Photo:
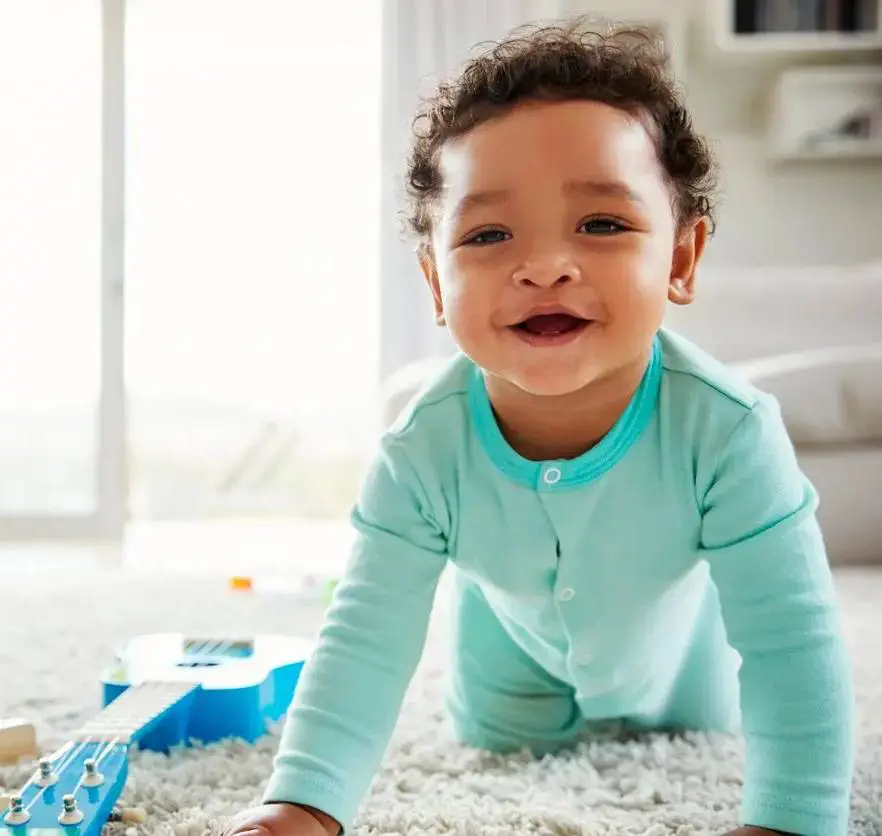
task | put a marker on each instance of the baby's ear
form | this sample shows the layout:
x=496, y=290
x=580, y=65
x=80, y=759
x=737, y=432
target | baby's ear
x=688, y=250
x=430, y=272
x=681, y=293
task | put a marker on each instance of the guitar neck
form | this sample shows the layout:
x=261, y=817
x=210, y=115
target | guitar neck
x=134, y=710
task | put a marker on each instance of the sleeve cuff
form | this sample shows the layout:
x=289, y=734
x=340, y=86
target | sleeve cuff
x=777, y=814
x=312, y=792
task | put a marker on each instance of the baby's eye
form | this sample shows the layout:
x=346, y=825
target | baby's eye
x=489, y=236
x=602, y=226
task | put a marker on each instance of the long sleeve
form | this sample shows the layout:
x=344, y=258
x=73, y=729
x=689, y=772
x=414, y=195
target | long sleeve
x=351, y=689
x=768, y=561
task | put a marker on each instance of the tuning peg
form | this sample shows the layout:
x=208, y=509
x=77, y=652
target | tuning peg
x=17, y=814
x=45, y=776
x=70, y=813
x=91, y=776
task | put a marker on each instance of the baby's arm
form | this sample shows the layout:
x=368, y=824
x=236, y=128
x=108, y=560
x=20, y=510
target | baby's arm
x=349, y=695
x=768, y=561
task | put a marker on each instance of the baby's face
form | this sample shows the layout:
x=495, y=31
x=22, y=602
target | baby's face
x=554, y=244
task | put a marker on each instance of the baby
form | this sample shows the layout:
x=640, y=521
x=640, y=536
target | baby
x=630, y=535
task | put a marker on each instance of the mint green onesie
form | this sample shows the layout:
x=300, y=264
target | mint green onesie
x=673, y=576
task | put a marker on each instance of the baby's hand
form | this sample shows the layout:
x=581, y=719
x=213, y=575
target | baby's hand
x=281, y=820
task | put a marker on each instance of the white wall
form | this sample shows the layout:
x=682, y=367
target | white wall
x=822, y=212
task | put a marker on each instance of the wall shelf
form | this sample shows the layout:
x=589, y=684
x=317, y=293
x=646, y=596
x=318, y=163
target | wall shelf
x=840, y=150
x=812, y=107
x=786, y=27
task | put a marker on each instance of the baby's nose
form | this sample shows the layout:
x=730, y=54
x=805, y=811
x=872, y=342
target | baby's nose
x=547, y=272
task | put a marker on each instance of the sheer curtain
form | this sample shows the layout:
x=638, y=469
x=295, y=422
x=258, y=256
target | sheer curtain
x=422, y=41
x=252, y=275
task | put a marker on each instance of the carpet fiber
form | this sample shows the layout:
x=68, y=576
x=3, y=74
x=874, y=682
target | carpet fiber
x=57, y=632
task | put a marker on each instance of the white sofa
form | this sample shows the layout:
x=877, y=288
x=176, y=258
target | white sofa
x=812, y=336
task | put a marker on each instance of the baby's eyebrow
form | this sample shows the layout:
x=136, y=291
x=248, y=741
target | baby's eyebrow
x=593, y=188
x=605, y=188
x=475, y=200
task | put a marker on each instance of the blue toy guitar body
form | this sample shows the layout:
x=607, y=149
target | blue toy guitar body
x=243, y=685
x=164, y=690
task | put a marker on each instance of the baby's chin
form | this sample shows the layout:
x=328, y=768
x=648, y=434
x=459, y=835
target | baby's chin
x=551, y=374
x=551, y=382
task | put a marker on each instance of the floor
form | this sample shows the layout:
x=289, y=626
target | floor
x=277, y=553
x=59, y=629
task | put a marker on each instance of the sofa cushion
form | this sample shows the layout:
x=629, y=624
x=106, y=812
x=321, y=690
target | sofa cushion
x=747, y=313
x=831, y=396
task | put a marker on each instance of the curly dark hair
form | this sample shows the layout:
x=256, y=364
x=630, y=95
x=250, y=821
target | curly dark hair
x=585, y=58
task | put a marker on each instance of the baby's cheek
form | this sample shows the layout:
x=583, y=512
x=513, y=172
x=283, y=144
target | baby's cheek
x=472, y=293
x=467, y=317
x=635, y=285
x=638, y=302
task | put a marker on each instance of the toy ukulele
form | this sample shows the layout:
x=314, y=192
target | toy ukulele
x=164, y=690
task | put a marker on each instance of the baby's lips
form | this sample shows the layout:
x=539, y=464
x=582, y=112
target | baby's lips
x=553, y=323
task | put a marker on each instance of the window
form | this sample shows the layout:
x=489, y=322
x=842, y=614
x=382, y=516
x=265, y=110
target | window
x=50, y=254
x=252, y=274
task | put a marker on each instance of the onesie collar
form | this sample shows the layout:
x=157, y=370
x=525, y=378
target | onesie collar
x=566, y=473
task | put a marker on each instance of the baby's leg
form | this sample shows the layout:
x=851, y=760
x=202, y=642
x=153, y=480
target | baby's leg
x=499, y=697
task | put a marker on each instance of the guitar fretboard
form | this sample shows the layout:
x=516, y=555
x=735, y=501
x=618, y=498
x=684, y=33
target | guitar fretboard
x=133, y=709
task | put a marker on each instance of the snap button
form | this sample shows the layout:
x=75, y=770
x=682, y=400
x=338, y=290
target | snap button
x=551, y=476
x=567, y=594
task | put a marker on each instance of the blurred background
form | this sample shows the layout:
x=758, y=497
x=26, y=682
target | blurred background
x=205, y=301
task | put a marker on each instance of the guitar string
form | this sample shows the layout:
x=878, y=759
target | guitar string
x=108, y=748
x=69, y=756
x=107, y=745
x=207, y=647
x=74, y=754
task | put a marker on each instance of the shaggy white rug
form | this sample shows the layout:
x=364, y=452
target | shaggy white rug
x=57, y=631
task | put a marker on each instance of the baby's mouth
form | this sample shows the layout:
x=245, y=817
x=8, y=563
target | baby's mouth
x=552, y=324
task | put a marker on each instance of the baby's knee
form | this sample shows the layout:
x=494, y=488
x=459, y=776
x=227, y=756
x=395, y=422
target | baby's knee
x=472, y=733
x=475, y=723
x=502, y=730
